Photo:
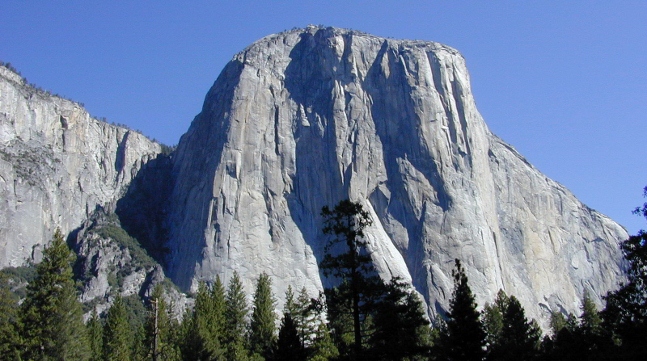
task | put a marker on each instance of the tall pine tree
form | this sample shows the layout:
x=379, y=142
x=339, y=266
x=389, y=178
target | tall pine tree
x=9, y=324
x=236, y=311
x=204, y=338
x=159, y=329
x=52, y=317
x=492, y=317
x=626, y=309
x=288, y=346
x=464, y=338
x=262, y=325
x=518, y=338
x=118, y=337
x=347, y=261
x=401, y=328
x=95, y=335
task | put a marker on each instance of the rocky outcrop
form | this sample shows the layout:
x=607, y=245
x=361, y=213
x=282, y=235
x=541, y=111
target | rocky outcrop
x=57, y=165
x=112, y=263
x=309, y=117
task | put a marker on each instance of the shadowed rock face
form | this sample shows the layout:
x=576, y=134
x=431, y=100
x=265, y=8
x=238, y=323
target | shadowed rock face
x=57, y=165
x=307, y=118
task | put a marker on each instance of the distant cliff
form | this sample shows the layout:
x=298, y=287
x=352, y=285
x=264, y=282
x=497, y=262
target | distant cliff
x=61, y=168
x=57, y=164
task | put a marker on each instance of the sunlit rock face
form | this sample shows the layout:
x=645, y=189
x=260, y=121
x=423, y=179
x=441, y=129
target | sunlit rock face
x=57, y=165
x=309, y=117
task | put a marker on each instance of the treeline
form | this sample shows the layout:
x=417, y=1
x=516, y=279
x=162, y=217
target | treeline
x=359, y=318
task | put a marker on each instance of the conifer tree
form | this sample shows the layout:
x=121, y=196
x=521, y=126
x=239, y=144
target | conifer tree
x=186, y=336
x=565, y=342
x=304, y=315
x=9, y=322
x=590, y=319
x=236, y=320
x=290, y=302
x=323, y=348
x=519, y=338
x=464, y=338
x=205, y=335
x=594, y=338
x=557, y=322
x=52, y=317
x=159, y=333
x=118, y=336
x=346, y=261
x=288, y=347
x=584, y=339
x=95, y=335
x=217, y=320
x=625, y=313
x=493, y=320
x=262, y=326
x=401, y=328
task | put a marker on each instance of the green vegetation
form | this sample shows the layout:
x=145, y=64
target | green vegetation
x=52, y=326
x=140, y=257
x=204, y=335
x=262, y=337
x=464, y=337
x=350, y=303
x=15, y=280
x=118, y=333
x=236, y=311
x=48, y=324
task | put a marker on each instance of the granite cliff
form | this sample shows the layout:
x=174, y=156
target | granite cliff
x=308, y=117
x=57, y=165
x=297, y=121
x=62, y=168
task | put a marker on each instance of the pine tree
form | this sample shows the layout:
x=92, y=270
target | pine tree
x=137, y=315
x=159, y=333
x=492, y=316
x=95, y=335
x=187, y=336
x=590, y=319
x=625, y=313
x=52, y=317
x=354, y=296
x=205, y=336
x=564, y=344
x=464, y=338
x=307, y=318
x=307, y=315
x=118, y=336
x=401, y=328
x=9, y=322
x=236, y=320
x=288, y=347
x=323, y=348
x=290, y=302
x=557, y=322
x=519, y=338
x=217, y=320
x=585, y=339
x=594, y=338
x=262, y=326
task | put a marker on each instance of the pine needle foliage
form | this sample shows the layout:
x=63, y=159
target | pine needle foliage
x=262, y=336
x=52, y=316
x=464, y=338
x=117, y=334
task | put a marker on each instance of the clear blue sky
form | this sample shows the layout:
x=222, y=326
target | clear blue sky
x=565, y=82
